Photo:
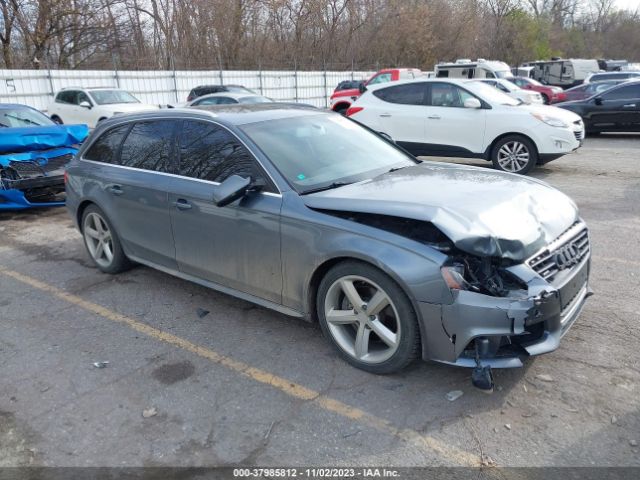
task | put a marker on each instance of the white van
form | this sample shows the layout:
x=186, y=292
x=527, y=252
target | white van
x=481, y=68
x=562, y=72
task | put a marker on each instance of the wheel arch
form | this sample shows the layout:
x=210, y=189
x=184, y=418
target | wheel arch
x=80, y=212
x=322, y=269
x=489, y=149
x=342, y=104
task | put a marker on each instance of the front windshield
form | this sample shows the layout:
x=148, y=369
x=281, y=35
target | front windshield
x=256, y=99
x=491, y=94
x=534, y=82
x=319, y=150
x=511, y=87
x=110, y=97
x=23, y=117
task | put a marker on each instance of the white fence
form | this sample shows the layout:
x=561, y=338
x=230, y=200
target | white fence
x=37, y=87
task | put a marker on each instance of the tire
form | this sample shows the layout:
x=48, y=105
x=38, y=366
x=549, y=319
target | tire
x=545, y=99
x=341, y=110
x=57, y=119
x=514, y=154
x=100, y=239
x=357, y=332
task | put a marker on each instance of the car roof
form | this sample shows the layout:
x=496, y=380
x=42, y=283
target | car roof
x=16, y=105
x=456, y=81
x=236, y=114
x=235, y=95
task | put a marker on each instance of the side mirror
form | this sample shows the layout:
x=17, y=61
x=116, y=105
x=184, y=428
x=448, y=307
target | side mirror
x=85, y=104
x=233, y=188
x=472, y=103
x=362, y=88
x=598, y=100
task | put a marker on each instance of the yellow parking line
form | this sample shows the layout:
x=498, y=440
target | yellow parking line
x=453, y=454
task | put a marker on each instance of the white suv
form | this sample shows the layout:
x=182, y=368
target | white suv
x=91, y=105
x=466, y=118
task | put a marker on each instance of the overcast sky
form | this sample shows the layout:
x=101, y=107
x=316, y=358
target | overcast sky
x=630, y=4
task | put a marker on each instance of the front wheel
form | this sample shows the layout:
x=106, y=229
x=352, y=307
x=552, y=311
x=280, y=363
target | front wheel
x=514, y=154
x=368, y=318
x=102, y=241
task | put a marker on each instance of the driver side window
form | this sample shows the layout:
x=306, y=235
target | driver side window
x=382, y=78
x=210, y=152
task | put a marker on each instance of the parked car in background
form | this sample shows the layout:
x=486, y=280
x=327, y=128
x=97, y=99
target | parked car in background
x=228, y=98
x=613, y=65
x=562, y=72
x=310, y=214
x=587, y=90
x=467, y=118
x=549, y=94
x=33, y=154
x=348, y=85
x=201, y=90
x=341, y=100
x=92, y=105
x=511, y=89
x=481, y=68
x=615, y=110
x=623, y=75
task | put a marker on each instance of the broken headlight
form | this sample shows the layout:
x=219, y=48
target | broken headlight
x=482, y=275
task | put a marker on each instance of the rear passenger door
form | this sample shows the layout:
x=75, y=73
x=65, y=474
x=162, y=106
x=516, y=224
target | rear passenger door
x=133, y=186
x=402, y=116
x=238, y=245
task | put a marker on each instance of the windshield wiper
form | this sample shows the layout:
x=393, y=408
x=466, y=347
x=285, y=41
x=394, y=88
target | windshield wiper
x=326, y=187
x=25, y=120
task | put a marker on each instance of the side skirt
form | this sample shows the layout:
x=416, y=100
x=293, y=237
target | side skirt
x=221, y=288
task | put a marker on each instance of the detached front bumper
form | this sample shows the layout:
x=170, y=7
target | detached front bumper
x=25, y=193
x=516, y=327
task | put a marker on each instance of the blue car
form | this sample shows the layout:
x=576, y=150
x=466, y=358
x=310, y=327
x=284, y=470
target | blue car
x=33, y=154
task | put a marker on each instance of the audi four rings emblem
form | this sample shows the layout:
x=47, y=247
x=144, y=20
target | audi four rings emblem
x=567, y=256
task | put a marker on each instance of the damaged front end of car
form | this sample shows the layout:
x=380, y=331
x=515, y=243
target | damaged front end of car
x=504, y=311
x=32, y=162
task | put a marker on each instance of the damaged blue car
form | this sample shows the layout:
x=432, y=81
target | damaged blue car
x=33, y=154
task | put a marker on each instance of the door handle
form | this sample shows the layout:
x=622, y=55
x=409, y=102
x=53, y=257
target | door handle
x=182, y=204
x=629, y=105
x=115, y=189
x=434, y=117
x=385, y=114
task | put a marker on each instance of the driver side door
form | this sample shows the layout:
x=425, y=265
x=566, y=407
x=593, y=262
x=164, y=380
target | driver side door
x=238, y=245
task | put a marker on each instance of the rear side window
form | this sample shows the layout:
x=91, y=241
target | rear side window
x=148, y=146
x=210, y=152
x=67, y=96
x=628, y=92
x=409, y=94
x=105, y=149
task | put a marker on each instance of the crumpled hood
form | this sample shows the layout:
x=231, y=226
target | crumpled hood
x=483, y=212
x=24, y=139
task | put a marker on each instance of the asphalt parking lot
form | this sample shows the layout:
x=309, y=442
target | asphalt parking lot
x=242, y=385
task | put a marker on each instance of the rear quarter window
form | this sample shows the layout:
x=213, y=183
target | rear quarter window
x=148, y=146
x=410, y=94
x=106, y=148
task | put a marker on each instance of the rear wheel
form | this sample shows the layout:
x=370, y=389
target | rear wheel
x=514, y=154
x=102, y=241
x=545, y=99
x=368, y=318
x=57, y=119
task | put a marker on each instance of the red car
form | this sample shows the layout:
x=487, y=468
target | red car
x=341, y=100
x=549, y=94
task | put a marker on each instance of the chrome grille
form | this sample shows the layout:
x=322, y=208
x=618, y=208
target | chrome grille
x=34, y=169
x=548, y=263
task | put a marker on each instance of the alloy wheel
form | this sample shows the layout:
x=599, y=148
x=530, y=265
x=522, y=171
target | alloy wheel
x=513, y=156
x=98, y=239
x=362, y=319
